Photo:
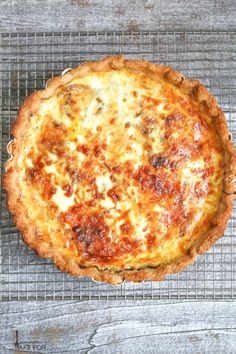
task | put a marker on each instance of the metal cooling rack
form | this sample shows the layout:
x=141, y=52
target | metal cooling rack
x=27, y=61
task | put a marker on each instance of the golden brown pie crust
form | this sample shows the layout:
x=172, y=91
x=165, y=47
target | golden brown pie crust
x=206, y=103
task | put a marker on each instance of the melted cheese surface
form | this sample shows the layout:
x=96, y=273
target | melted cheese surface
x=121, y=171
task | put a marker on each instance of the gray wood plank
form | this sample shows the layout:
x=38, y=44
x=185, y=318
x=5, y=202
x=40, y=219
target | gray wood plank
x=91, y=15
x=119, y=327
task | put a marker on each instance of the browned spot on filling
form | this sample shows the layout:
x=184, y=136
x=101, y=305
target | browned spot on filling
x=113, y=193
x=160, y=184
x=150, y=102
x=112, y=120
x=53, y=135
x=147, y=146
x=97, y=150
x=173, y=122
x=68, y=190
x=98, y=99
x=99, y=109
x=148, y=125
x=158, y=161
x=151, y=241
x=91, y=234
x=83, y=149
x=126, y=228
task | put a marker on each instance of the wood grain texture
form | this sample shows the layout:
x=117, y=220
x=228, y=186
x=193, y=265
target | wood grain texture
x=94, y=15
x=119, y=327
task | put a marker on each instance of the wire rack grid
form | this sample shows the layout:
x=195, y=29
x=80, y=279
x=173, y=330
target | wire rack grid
x=27, y=61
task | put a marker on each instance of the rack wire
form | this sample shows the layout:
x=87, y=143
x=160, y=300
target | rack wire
x=27, y=61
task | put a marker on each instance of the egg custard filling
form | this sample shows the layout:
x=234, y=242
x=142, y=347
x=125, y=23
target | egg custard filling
x=119, y=171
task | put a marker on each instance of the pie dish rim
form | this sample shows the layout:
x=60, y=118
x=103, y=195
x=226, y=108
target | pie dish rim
x=206, y=102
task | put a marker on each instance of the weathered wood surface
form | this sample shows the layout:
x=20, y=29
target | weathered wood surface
x=119, y=327
x=94, y=15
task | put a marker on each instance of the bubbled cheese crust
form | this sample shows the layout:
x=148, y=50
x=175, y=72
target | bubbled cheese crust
x=118, y=171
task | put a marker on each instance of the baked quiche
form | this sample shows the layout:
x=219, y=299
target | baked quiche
x=120, y=170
